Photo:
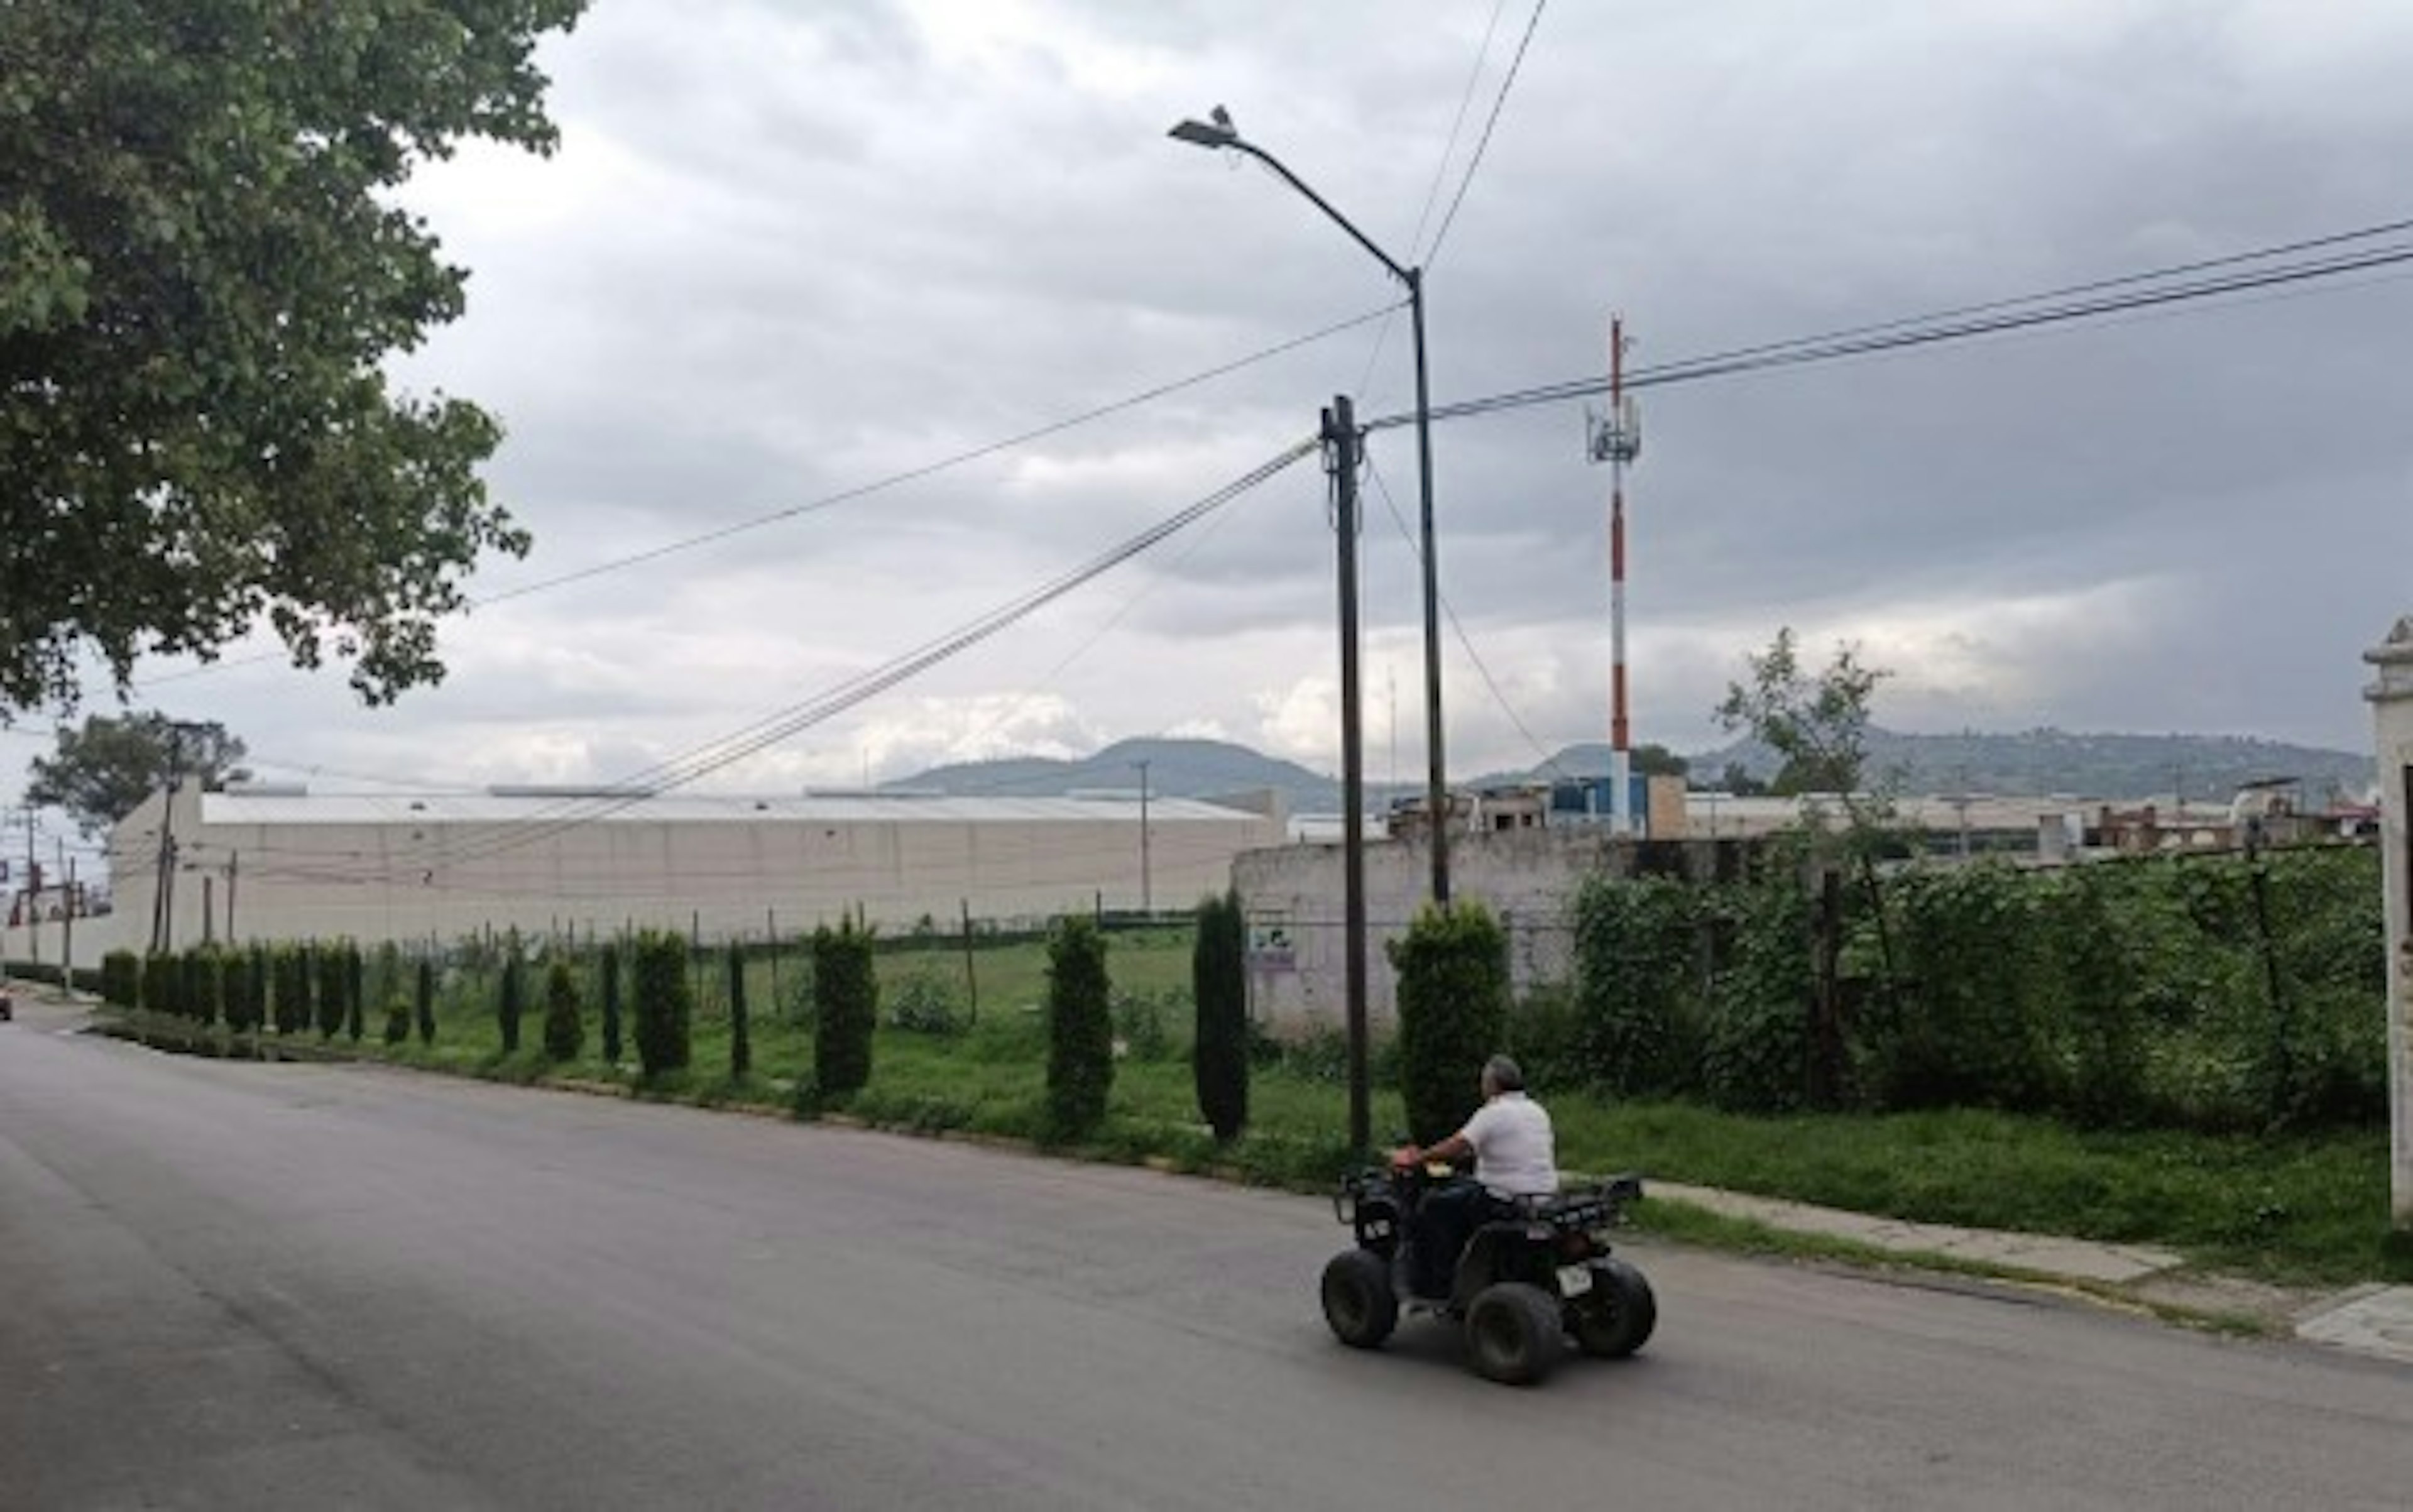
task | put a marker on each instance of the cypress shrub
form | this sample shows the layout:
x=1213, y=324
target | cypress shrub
x=565, y=1030
x=741, y=1050
x=120, y=979
x=326, y=967
x=355, y=990
x=663, y=1002
x=1452, y=994
x=1080, y=1029
x=198, y=991
x=424, y=999
x=235, y=991
x=256, y=982
x=514, y=1000
x=1218, y=984
x=609, y=969
x=846, y=1006
x=291, y=966
x=162, y=976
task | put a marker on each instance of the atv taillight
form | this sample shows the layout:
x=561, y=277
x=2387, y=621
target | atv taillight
x=1574, y=1245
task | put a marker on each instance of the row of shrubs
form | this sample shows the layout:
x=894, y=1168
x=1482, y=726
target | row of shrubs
x=288, y=989
x=2215, y=993
x=333, y=987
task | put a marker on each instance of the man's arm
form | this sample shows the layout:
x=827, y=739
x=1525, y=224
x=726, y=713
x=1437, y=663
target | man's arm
x=1455, y=1147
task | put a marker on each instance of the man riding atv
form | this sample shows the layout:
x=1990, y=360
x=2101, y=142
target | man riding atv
x=1515, y=1155
x=1519, y=1265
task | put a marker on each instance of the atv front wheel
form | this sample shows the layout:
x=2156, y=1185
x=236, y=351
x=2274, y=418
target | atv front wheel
x=1358, y=1302
x=1615, y=1317
x=1514, y=1334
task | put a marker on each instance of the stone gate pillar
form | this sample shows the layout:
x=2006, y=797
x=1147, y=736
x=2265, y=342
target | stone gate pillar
x=2392, y=705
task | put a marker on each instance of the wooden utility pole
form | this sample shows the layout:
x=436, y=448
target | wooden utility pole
x=1341, y=443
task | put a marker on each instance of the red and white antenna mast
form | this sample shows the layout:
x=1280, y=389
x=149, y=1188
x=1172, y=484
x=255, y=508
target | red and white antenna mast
x=1616, y=438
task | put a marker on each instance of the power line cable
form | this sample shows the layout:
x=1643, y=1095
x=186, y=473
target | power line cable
x=785, y=723
x=1432, y=191
x=1484, y=141
x=860, y=490
x=1465, y=641
x=1897, y=335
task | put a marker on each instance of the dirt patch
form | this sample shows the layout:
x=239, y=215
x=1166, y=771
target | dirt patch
x=2275, y=1307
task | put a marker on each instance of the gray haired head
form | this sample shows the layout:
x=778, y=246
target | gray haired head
x=1503, y=1074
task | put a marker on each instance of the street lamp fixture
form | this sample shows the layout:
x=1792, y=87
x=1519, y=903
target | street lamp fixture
x=1218, y=133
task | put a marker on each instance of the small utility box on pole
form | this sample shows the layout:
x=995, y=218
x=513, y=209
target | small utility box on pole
x=2392, y=705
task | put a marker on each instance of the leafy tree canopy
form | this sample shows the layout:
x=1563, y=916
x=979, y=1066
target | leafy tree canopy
x=1651, y=759
x=202, y=268
x=101, y=773
x=1818, y=723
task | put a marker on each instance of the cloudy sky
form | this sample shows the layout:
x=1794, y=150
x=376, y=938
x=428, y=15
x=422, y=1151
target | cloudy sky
x=791, y=249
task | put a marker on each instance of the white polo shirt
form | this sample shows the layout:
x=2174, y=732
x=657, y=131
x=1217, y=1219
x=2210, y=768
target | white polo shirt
x=1515, y=1152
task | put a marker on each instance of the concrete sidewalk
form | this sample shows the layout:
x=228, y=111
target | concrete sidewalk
x=2373, y=1321
x=2069, y=1259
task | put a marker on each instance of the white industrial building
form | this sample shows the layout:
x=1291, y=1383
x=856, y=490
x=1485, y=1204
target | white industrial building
x=282, y=863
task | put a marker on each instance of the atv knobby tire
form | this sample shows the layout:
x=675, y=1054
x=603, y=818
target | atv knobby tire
x=1358, y=1302
x=1514, y=1333
x=1615, y=1318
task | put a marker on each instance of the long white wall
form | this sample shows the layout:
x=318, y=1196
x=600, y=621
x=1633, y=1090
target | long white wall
x=286, y=880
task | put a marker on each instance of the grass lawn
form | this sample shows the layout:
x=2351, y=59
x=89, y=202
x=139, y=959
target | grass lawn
x=2300, y=1209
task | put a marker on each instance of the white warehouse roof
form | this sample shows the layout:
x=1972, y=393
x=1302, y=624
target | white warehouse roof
x=283, y=806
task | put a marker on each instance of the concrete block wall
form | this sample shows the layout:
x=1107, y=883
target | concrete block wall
x=1529, y=878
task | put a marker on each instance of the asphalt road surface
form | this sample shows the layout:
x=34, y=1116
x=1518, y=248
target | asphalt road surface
x=247, y=1286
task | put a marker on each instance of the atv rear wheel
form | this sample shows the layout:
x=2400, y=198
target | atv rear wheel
x=1614, y=1318
x=1358, y=1302
x=1514, y=1334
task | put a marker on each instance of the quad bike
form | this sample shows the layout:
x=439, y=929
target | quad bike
x=1535, y=1272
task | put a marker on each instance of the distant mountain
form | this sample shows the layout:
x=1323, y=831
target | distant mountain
x=2031, y=764
x=1176, y=769
x=2039, y=762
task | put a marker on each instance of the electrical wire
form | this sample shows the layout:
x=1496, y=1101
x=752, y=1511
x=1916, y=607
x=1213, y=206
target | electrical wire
x=1993, y=317
x=1465, y=641
x=1432, y=191
x=1484, y=141
x=859, y=491
x=785, y=723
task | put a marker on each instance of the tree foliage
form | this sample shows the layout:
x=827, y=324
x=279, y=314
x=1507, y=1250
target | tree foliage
x=203, y=269
x=1818, y=724
x=101, y=773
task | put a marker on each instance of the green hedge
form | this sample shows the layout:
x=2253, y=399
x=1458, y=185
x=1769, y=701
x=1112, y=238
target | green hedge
x=2217, y=993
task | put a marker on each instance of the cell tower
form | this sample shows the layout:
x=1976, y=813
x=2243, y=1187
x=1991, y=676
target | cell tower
x=1616, y=438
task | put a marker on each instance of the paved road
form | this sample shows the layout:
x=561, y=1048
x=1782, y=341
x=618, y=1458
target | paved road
x=227, y=1286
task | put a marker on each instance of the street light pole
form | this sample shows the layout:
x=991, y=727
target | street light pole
x=1218, y=132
